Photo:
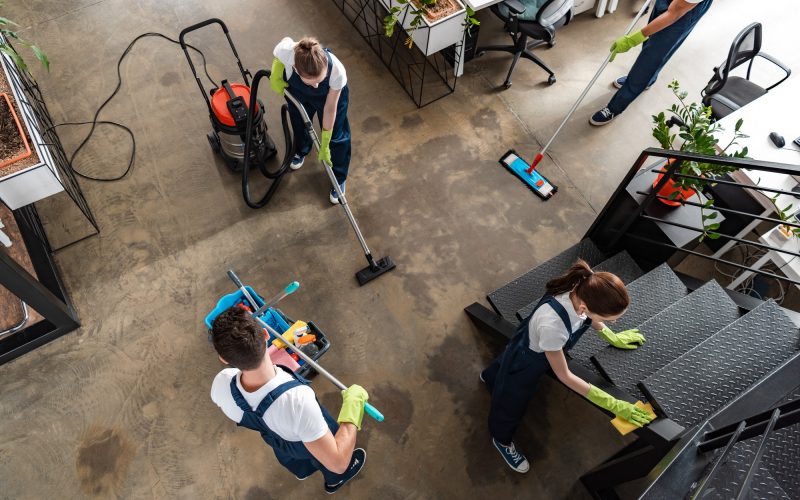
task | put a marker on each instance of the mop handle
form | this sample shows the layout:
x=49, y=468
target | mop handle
x=368, y=408
x=290, y=289
x=540, y=155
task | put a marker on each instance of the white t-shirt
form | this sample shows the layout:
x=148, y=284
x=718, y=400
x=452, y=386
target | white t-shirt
x=294, y=416
x=546, y=331
x=284, y=51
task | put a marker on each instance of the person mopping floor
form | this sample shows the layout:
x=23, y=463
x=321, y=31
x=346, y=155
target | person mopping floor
x=572, y=303
x=317, y=79
x=670, y=23
x=280, y=405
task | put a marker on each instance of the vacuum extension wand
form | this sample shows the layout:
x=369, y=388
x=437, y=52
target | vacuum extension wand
x=368, y=408
x=375, y=268
x=540, y=154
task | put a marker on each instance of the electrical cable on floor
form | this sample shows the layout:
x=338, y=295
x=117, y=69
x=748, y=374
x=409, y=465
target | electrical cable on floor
x=94, y=122
x=751, y=254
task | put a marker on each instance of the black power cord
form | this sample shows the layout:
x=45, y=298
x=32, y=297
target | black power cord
x=94, y=122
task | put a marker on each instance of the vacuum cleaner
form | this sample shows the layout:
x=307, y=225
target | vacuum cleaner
x=374, y=268
x=237, y=145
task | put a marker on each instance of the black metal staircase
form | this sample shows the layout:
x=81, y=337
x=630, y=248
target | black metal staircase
x=721, y=369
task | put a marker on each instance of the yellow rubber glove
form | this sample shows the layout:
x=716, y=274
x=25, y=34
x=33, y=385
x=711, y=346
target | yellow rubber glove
x=353, y=399
x=623, y=340
x=325, y=146
x=622, y=409
x=276, y=81
x=626, y=43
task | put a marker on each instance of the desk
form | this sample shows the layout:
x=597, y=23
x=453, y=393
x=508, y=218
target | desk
x=770, y=113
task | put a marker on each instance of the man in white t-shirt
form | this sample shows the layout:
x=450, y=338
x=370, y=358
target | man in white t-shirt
x=670, y=24
x=282, y=407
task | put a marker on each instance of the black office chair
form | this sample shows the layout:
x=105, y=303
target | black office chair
x=551, y=16
x=726, y=93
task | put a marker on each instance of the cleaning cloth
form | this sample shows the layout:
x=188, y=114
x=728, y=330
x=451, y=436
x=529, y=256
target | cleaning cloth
x=624, y=427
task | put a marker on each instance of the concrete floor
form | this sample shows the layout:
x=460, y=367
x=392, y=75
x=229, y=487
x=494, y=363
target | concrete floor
x=120, y=408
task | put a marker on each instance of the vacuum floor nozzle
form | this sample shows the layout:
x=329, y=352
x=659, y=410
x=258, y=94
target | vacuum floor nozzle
x=369, y=273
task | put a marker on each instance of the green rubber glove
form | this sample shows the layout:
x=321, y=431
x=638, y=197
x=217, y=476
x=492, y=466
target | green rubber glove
x=622, y=409
x=622, y=340
x=353, y=399
x=325, y=146
x=276, y=81
x=626, y=43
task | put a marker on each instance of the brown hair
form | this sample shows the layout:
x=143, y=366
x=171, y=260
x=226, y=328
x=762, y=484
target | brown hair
x=309, y=57
x=603, y=293
x=239, y=339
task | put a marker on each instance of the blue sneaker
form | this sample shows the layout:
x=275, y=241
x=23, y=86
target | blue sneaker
x=297, y=162
x=601, y=117
x=356, y=464
x=619, y=82
x=513, y=458
x=334, y=196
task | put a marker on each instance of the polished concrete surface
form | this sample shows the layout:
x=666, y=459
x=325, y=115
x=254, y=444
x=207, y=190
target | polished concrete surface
x=120, y=408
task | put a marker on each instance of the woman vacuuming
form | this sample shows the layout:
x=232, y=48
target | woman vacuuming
x=572, y=303
x=317, y=79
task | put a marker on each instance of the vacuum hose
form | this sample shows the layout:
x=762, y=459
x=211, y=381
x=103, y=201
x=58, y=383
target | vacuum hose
x=277, y=175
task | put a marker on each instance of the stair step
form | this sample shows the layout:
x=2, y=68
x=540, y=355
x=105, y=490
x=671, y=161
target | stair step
x=727, y=480
x=650, y=294
x=621, y=264
x=520, y=291
x=782, y=455
x=702, y=380
x=669, y=334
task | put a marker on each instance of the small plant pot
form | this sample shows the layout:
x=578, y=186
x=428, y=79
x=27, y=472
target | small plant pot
x=26, y=149
x=669, y=188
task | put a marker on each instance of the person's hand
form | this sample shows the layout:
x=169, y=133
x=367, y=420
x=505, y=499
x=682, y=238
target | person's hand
x=353, y=399
x=627, y=339
x=276, y=81
x=325, y=147
x=622, y=409
x=626, y=43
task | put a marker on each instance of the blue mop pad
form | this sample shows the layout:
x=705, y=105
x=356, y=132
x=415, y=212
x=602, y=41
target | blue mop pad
x=534, y=180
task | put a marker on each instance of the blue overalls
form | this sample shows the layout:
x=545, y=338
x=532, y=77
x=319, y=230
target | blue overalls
x=512, y=377
x=313, y=99
x=291, y=454
x=656, y=51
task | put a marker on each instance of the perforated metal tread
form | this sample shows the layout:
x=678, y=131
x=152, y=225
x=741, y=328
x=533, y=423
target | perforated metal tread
x=519, y=292
x=702, y=380
x=621, y=264
x=650, y=294
x=727, y=480
x=782, y=455
x=670, y=333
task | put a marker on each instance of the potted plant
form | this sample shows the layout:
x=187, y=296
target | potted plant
x=698, y=134
x=8, y=33
x=445, y=20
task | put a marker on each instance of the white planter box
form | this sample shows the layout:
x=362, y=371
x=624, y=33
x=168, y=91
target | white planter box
x=433, y=37
x=37, y=181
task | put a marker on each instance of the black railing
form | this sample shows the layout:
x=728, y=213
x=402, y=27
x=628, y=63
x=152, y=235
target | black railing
x=619, y=226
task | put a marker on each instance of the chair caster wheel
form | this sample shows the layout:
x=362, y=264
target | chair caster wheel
x=551, y=80
x=506, y=85
x=480, y=54
x=551, y=44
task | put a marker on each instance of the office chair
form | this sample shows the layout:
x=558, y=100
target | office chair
x=552, y=15
x=726, y=93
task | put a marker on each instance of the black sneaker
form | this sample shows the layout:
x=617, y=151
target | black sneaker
x=297, y=162
x=356, y=464
x=602, y=117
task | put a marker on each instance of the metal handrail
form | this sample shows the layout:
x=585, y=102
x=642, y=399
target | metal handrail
x=745, y=489
x=731, y=442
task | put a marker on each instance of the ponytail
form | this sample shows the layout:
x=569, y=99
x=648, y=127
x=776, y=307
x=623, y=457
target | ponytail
x=309, y=57
x=603, y=293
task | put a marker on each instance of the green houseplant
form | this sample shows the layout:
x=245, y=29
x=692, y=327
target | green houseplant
x=420, y=9
x=697, y=133
x=7, y=30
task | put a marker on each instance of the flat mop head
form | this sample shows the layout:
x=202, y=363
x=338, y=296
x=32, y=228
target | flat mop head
x=371, y=272
x=534, y=180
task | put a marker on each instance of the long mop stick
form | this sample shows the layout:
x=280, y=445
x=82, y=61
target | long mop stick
x=368, y=408
x=540, y=154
